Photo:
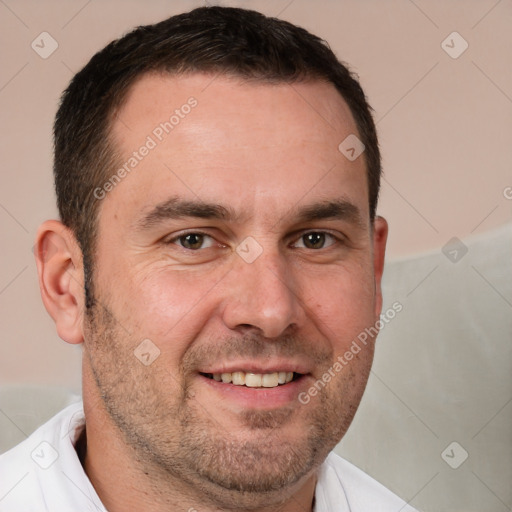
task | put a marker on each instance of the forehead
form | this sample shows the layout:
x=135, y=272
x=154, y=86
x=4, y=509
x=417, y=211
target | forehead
x=314, y=105
x=223, y=139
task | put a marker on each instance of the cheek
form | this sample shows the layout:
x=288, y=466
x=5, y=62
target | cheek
x=341, y=303
x=169, y=307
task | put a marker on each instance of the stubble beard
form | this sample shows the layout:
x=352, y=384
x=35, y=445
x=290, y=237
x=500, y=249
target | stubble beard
x=175, y=441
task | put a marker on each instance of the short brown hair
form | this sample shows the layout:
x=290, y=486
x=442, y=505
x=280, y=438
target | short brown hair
x=225, y=40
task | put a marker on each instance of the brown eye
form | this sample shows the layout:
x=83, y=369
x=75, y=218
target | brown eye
x=315, y=240
x=194, y=241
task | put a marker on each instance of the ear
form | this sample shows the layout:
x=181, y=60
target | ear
x=61, y=278
x=380, y=236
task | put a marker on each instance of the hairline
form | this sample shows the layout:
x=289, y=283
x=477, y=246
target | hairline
x=112, y=151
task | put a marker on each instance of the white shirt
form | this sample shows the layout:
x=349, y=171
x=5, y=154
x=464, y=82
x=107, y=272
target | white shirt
x=43, y=473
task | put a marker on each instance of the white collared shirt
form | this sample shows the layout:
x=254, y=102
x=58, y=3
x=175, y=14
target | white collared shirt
x=43, y=473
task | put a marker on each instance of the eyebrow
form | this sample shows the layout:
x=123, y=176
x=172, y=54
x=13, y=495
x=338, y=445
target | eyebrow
x=339, y=209
x=176, y=208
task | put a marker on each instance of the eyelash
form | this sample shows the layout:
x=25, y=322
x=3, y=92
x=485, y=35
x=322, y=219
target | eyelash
x=336, y=239
x=182, y=235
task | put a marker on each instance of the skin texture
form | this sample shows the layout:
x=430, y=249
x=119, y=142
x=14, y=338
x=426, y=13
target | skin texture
x=162, y=435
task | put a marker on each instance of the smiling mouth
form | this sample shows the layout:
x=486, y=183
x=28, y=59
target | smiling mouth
x=254, y=380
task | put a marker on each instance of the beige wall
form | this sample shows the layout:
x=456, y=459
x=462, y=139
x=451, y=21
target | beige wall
x=445, y=127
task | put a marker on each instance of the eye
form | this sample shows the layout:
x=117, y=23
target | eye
x=315, y=240
x=194, y=241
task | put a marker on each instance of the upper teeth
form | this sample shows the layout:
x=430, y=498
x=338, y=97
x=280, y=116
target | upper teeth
x=255, y=380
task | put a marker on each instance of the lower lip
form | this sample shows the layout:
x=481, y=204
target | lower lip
x=259, y=398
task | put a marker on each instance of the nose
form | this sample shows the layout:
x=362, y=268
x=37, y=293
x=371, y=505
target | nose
x=262, y=296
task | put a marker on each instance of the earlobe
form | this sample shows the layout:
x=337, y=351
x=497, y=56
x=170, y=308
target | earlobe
x=380, y=236
x=60, y=270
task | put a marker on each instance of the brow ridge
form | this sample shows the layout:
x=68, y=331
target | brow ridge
x=177, y=208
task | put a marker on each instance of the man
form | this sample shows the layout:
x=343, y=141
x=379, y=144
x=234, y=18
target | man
x=217, y=177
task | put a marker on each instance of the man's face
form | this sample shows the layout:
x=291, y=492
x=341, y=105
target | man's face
x=240, y=242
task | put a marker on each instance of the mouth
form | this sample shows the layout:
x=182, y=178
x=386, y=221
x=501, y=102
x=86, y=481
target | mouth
x=254, y=380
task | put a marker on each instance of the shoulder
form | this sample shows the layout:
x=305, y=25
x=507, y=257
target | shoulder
x=44, y=472
x=340, y=481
